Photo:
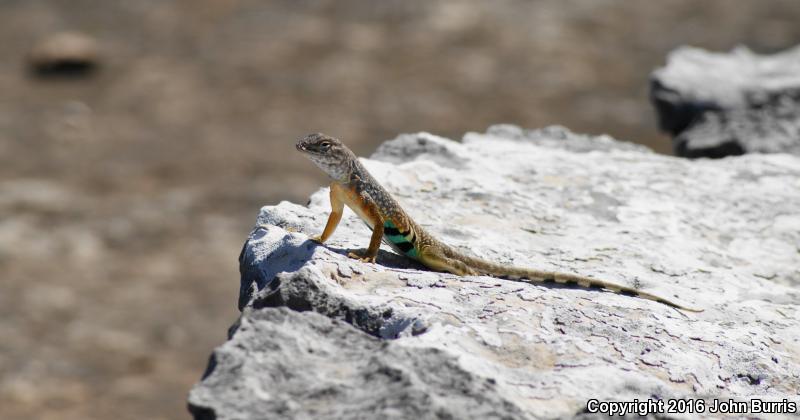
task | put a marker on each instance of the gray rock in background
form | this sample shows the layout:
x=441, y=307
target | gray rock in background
x=717, y=105
x=325, y=336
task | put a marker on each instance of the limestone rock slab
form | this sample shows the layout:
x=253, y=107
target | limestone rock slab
x=325, y=336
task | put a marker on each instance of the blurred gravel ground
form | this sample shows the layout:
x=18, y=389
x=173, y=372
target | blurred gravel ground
x=125, y=196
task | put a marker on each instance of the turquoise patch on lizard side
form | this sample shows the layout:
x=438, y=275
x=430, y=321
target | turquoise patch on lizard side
x=403, y=240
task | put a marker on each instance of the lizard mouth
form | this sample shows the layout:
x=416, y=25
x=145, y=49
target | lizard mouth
x=309, y=149
x=304, y=148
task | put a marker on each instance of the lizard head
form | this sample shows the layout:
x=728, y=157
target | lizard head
x=330, y=154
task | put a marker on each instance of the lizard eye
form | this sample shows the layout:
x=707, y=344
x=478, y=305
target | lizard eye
x=325, y=144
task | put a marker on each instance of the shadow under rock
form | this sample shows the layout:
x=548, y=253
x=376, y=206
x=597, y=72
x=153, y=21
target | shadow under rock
x=385, y=258
x=261, y=260
x=269, y=251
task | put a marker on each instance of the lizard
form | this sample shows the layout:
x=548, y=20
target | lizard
x=352, y=185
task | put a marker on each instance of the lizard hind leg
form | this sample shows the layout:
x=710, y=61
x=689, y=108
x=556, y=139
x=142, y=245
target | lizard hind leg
x=437, y=260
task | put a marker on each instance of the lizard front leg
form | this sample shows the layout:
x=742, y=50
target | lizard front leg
x=368, y=209
x=337, y=208
x=374, y=245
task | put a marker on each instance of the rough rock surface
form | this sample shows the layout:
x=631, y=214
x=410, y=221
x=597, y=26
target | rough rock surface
x=717, y=105
x=325, y=336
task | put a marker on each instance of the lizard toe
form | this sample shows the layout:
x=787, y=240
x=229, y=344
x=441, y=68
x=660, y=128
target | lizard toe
x=361, y=258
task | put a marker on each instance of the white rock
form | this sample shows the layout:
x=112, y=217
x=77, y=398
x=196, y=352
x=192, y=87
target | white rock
x=720, y=235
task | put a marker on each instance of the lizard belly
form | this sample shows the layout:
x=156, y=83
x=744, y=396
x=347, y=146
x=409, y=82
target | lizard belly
x=363, y=215
x=357, y=204
x=402, y=242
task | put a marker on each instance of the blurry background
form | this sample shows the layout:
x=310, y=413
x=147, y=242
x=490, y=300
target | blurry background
x=125, y=195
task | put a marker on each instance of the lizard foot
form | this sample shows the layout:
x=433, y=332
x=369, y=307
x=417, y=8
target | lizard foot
x=362, y=258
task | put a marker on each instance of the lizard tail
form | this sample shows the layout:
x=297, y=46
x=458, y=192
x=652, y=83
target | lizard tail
x=530, y=275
